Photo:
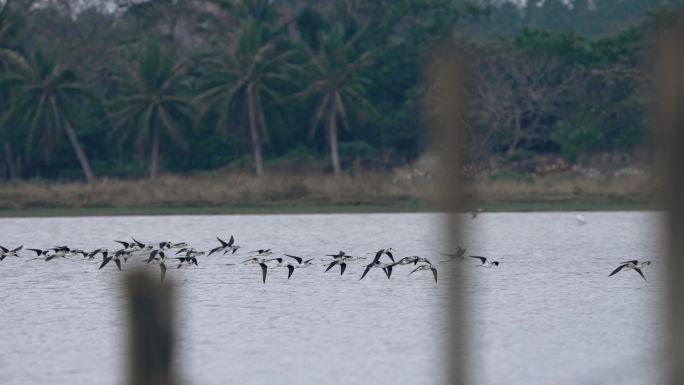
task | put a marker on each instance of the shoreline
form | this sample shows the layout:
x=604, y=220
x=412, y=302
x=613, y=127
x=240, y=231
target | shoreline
x=277, y=209
x=221, y=193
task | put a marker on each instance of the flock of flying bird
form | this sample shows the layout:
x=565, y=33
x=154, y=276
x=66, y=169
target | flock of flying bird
x=183, y=255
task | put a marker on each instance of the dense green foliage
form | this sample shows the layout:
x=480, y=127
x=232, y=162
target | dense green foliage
x=180, y=86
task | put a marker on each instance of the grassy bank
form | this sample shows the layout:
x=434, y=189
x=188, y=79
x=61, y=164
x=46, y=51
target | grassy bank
x=238, y=193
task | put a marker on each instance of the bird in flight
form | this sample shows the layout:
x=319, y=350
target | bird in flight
x=631, y=265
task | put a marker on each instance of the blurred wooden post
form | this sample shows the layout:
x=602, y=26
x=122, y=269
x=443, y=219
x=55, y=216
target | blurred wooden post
x=669, y=100
x=444, y=107
x=151, y=331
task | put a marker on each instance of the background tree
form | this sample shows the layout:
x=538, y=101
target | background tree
x=44, y=94
x=338, y=84
x=150, y=101
x=242, y=74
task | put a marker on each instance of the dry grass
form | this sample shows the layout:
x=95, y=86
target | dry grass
x=563, y=189
x=215, y=189
x=367, y=188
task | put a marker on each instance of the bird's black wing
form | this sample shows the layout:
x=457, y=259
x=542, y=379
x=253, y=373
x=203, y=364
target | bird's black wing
x=152, y=255
x=343, y=266
x=125, y=244
x=37, y=251
x=638, y=270
x=231, y=241
x=163, y=271
x=390, y=255
x=434, y=272
x=4, y=250
x=223, y=244
x=365, y=272
x=460, y=252
x=105, y=261
x=388, y=271
x=298, y=259
x=140, y=244
x=214, y=249
x=264, y=268
x=290, y=270
x=118, y=263
x=18, y=248
x=634, y=261
x=616, y=270
x=378, y=255
x=482, y=259
x=330, y=266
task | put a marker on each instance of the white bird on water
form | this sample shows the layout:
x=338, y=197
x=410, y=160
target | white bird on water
x=580, y=220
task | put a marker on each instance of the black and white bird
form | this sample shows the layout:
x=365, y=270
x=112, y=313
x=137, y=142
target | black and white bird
x=425, y=268
x=190, y=252
x=129, y=247
x=75, y=252
x=634, y=264
x=387, y=268
x=94, y=253
x=340, y=261
x=485, y=262
x=57, y=252
x=106, y=258
x=261, y=262
x=459, y=255
x=339, y=255
x=301, y=262
x=186, y=261
x=225, y=246
x=158, y=257
x=290, y=265
x=381, y=252
x=5, y=252
x=262, y=252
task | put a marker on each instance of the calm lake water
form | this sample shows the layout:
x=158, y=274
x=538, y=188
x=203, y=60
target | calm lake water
x=548, y=315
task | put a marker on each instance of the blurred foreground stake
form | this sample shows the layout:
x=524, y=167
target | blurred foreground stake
x=669, y=101
x=151, y=331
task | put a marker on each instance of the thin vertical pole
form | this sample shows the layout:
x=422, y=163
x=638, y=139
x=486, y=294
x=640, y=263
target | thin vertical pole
x=151, y=331
x=444, y=106
x=669, y=114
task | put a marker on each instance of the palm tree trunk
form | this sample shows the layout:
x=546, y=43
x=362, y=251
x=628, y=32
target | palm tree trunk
x=254, y=130
x=332, y=135
x=154, y=157
x=517, y=133
x=80, y=154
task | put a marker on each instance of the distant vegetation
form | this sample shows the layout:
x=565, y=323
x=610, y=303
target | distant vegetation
x=133, y=88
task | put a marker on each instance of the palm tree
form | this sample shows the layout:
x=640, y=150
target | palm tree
x=338, y=83
x=243, y=73
x=10, y=26
x=42, y=94
x=150, y=101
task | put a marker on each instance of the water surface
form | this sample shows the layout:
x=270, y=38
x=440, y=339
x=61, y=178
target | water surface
x=548, y=314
